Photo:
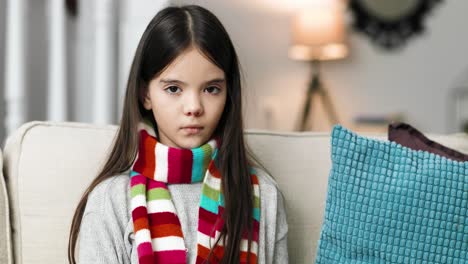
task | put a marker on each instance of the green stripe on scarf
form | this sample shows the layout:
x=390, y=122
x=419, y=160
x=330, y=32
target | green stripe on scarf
x=137, y=189
x=158, y=194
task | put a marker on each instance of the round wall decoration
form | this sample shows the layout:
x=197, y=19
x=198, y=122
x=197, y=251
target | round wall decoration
x=390, y=24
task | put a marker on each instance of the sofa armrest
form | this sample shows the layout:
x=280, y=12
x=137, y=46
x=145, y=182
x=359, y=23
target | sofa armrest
x=5, y=230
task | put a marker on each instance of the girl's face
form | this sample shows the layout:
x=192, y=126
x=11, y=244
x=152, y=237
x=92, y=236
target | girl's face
x=190, y=92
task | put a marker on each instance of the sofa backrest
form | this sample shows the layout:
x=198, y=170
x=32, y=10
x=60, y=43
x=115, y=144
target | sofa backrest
x=5, y=232
x=48, y=166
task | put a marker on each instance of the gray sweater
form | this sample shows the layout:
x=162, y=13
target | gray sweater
x=106, y=234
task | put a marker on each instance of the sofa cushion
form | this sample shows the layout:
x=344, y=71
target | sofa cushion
x=5, y=233
x=388, y=203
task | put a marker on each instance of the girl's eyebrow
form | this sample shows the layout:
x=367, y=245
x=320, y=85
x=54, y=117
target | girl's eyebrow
x=217, y=80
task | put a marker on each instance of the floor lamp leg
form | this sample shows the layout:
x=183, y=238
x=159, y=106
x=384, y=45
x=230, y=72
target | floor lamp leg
x=315, y=87
x=327, y=103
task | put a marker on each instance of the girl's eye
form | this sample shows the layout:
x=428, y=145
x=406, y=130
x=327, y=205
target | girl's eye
x=213, y=90
x=172, y=89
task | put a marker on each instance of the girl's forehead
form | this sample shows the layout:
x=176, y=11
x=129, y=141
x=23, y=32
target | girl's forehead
x=192, y=66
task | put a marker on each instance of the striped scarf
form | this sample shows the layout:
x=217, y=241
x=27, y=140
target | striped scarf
x=157, y=229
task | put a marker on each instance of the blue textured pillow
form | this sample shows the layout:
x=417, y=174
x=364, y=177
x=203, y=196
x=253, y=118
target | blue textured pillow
x=387, y=203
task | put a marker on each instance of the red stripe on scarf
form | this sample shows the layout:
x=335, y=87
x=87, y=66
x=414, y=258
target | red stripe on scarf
x=204, y=252
x=138, y=179
x=163, y=218
x=145, y=259
x=140, y=223
x=156, y=184
x=206, y=228
x=180, y=163
x=243, y=257
x=166, y=230
x=146, y=162
x=138, y=212
x=207, y=215
x=254, y=179
x=170, y=257
x=213, y=170
x=245, y=234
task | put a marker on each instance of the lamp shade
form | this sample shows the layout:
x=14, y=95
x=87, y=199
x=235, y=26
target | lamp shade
x=319, y=33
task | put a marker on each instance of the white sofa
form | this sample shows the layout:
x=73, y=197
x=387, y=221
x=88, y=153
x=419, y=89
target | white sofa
x=5, y=233
x=47, y=166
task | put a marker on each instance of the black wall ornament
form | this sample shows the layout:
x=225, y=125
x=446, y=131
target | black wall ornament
x=72, y=7
x=390, y=23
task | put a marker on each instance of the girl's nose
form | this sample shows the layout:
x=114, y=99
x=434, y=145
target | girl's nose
x=193, y=106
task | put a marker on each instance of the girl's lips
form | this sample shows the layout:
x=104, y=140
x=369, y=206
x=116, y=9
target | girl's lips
x=192, y=130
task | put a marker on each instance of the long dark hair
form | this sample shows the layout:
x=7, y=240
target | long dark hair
x=172, y=31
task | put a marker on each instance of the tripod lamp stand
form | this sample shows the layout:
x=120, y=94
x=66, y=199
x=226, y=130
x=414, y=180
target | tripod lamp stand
x=318, y=35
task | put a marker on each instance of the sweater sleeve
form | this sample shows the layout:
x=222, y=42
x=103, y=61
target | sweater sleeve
x=281, y=245
x=102, y=230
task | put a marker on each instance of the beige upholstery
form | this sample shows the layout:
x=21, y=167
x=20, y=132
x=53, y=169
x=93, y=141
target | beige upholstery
x=5, y=233
x=48, y=165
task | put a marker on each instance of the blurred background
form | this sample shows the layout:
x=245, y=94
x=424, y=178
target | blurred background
x=307, y=65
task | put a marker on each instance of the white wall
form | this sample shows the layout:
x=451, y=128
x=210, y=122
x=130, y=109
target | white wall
x=36, y=60
x=2, y=67
x=415, y=80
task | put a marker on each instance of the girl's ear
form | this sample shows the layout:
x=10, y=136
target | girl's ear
x=147, y=101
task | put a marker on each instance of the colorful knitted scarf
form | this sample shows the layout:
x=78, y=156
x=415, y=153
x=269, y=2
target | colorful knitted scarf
x=157, y=229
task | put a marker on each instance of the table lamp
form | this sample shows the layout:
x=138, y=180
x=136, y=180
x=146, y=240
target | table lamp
x=318, y=34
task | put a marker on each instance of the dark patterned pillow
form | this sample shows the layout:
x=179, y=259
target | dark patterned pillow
x=408, y=136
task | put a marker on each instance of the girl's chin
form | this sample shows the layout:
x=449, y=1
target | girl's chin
x=191, y=142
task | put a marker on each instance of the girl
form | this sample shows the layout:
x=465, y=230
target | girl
x=178, y=186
